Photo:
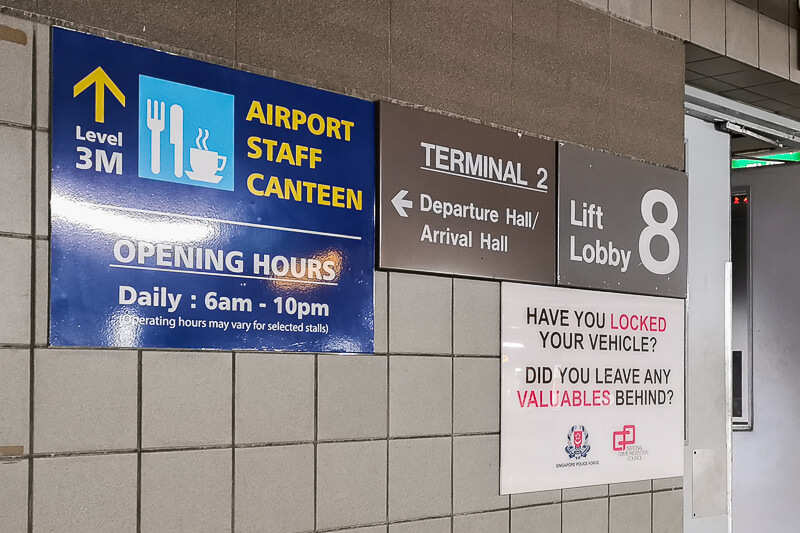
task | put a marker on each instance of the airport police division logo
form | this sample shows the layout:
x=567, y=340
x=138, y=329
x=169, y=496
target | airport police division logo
x=577, y=442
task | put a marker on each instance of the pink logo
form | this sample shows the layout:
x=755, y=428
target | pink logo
x=577, y=438
x=621, y=440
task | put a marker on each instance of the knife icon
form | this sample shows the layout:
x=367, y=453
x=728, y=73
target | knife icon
x=176, y=136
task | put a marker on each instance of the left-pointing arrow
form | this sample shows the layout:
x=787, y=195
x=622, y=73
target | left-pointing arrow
x=401, y=204
x=100, y=80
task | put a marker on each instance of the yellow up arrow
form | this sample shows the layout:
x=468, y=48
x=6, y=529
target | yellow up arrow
x=100, y=79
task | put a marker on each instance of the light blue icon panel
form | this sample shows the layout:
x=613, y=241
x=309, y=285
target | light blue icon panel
x=185, y=134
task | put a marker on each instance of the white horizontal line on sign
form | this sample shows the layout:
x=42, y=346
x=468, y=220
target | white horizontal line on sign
x=481, y=179
x=233, y=222
x=134, y=267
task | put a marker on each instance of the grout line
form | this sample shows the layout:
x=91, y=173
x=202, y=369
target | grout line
x=689, y=19
x=500, y=384
x=388, y=421
x=139, y=442
x=499, y=369
x=316, y=434
x=417, y=354
x=17, y=125
x=758, y=40
x=452, y=405
x=724, y=29
x=388, y=366
x=236, y=31
x=69, y=348
x=15, y=345
x=388, y=318
x=21, y=236
x=511, y=105
x=32, y=310
x=233, y=441
x=245, y=446
x=248, y=445
x=128, y=451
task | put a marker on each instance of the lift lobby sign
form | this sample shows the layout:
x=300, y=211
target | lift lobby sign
x=195, y=206
x=622, y=224
x=466, y=199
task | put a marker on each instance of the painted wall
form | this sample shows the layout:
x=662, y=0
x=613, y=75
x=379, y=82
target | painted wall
x=406, y=440
x=763, y=474
x=707, y=426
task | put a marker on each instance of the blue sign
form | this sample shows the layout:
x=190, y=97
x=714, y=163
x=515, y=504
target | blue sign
x=198, y=207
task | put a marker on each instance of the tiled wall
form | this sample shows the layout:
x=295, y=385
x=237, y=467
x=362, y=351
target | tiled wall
x=760, y=33
x=403, y=441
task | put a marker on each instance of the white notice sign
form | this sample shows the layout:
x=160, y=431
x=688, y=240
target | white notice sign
x=592, y=388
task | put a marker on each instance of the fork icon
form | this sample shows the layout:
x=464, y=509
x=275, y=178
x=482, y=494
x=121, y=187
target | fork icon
x=155, y=123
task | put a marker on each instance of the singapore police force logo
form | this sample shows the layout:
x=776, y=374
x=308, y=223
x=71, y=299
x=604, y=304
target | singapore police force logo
x=577, y=442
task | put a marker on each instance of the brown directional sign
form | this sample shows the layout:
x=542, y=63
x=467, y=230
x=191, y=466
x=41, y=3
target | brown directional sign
x=465, y=199
x=622, y=224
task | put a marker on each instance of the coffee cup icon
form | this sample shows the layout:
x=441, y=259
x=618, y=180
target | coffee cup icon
x=205, y=163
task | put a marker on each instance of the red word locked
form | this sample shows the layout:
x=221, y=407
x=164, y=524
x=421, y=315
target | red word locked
x=639, y=322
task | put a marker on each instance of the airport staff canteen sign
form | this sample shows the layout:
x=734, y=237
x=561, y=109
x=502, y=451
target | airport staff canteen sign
x=195, y=206
x=592, y=388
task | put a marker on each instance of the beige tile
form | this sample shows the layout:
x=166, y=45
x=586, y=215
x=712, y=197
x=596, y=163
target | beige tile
x=794, y=57
x=186, y=399
x=15, y=290
x=14, y=401
x=351, y=484
x=16, y=56
x=672, y=16
x=773, y=46
x=81, y=494
x=707, y=24
x=186, y=491
x=274, y=397
x=85, y=400
x=741, y=33
x=636, y=10
x=351, y=397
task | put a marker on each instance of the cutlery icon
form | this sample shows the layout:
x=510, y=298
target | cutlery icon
x=155, y=123
x=176, y=136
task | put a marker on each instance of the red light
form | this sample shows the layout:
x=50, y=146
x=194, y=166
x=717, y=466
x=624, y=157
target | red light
x=738, y=200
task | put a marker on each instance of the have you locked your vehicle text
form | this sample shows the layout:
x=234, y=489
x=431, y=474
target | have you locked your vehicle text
x=195, y=206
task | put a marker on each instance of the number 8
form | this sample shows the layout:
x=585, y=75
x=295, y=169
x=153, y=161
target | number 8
x=664, y=229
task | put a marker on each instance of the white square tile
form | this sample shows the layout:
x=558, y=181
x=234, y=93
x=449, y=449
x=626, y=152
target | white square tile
x=85, y=400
